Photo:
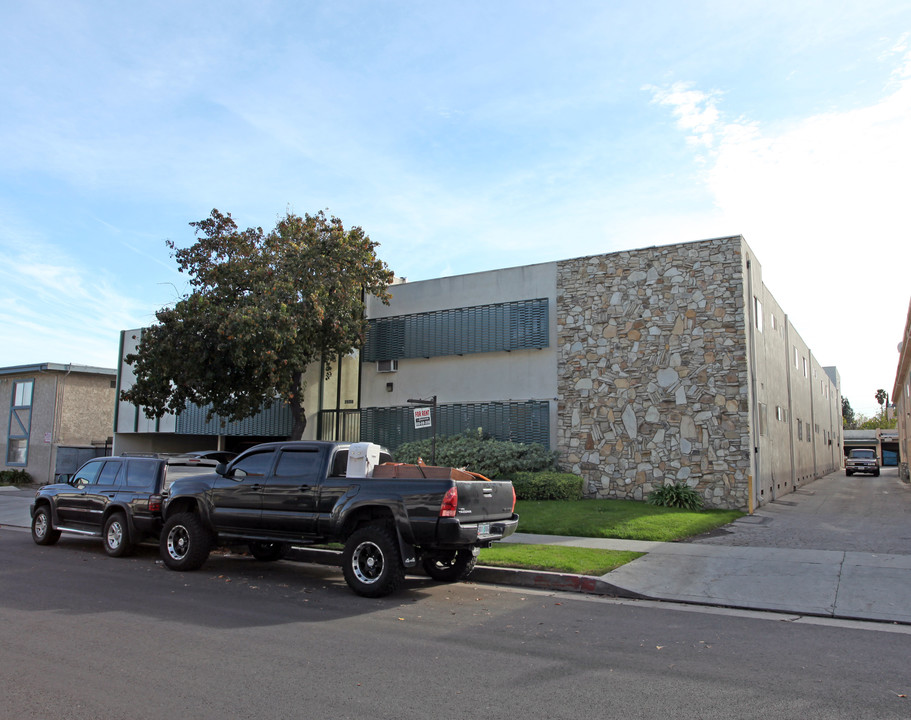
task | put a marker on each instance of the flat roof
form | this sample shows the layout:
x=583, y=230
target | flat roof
x=56, y=367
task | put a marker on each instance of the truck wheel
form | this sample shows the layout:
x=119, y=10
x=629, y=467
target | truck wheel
x=849, y=473
x=268, y=551
x=452, y=566
x=372, y=563
x=43, y=532
x=185, y=543
x=876, y=473
x=117, y=542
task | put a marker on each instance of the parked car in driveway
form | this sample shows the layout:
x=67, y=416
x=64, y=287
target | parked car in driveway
x=203, y=457
x=862, y=460
x=117, y=499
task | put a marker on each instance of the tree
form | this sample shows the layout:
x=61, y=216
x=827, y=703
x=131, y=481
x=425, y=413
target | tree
x=847, y=414
x=882, y=397
x=263, y=307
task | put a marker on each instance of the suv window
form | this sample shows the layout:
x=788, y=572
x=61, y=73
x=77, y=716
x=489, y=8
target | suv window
x=87, y=474
x=141, y=473
x=255, y=464
x=109, y=472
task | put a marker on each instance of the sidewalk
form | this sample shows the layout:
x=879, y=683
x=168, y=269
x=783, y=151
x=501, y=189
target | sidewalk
x=829, y=583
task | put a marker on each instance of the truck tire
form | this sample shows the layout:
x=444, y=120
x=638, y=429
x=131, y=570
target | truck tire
x=116, y=536
x=43, y=532
x=372, y=563
x=450, y=566
x=185, y=543
x=268, y=551
x=849, y=473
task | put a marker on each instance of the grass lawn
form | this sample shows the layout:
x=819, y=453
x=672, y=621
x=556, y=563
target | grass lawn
x=556, y=558
x=624, y=519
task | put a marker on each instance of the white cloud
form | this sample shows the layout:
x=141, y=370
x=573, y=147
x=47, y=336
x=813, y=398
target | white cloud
x=823, y=202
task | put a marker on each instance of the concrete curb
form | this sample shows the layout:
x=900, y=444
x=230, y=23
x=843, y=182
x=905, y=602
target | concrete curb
x=537, y=579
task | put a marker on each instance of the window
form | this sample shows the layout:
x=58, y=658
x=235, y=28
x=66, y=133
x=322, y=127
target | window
x=781, y=414
x=757, y=306
x=806, y=368
x=519, y=325
x=763, y=418
x=109, y=473
x=141, y=473
x=88, y=473
x=20, y=422
x=774, y=322
x=800, y=429
x=298, y=463
x=255, y=464
x=797, y=358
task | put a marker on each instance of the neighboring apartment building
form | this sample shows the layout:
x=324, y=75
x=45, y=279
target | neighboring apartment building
x=901, y=396
x=642, y=367
x=54, y=414
x=193, y=430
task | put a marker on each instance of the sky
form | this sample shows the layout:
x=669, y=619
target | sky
x=461, y=137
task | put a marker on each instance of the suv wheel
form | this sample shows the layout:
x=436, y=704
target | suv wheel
x=43, y=532
x=116, y=536
x=185, y=543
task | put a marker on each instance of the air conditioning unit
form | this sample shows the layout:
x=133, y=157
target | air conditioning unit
x=385, y=366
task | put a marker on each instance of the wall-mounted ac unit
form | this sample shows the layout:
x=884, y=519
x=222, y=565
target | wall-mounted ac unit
x=387, y=365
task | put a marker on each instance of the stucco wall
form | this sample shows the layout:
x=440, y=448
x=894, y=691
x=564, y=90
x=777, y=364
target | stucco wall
x=484, y=377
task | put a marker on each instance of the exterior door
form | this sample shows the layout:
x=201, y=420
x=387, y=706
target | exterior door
x=291, y=492
x=237, y=499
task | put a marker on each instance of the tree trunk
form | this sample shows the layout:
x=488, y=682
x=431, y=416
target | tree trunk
x=297, y=409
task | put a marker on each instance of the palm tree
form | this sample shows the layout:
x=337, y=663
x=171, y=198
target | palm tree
x=882, y=397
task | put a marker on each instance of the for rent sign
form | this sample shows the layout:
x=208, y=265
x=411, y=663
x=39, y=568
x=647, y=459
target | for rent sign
x=422, y=418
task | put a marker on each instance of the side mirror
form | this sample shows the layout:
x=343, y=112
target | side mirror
x=221, y=468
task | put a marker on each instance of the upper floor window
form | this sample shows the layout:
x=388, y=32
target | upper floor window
x=758, y=308
x=520, y=325
x=20, y=422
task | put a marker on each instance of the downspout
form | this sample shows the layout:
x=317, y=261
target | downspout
x=754, y=400
x=787, y=352
x=813, y=413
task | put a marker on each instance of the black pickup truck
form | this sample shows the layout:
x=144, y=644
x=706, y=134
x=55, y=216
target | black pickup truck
x=278, y=494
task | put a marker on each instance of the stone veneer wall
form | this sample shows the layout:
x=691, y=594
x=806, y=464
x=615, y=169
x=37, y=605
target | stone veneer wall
x=653, y=373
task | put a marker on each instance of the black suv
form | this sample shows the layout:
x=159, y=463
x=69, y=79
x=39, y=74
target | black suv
x=115, y=498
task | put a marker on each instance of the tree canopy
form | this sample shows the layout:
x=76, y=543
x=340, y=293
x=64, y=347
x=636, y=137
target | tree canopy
x=263, y=307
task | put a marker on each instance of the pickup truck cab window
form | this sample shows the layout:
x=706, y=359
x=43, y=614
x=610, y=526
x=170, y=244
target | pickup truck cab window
x=298, y=462
x=257, y=464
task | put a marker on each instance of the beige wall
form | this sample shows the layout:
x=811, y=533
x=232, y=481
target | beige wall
x=68, y=408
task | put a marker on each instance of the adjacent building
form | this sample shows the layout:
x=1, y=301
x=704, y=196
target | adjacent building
x=643, y=367
x=55, y=416
x=901, y=396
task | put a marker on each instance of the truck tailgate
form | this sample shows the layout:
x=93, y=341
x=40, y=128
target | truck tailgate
x=484, y=500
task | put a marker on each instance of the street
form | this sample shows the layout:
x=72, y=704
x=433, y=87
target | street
x=88, y=636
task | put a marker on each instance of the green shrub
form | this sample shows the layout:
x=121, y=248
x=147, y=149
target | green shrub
x=547, y=485
x=14, y=477
x=678, y=495
x=480, y=454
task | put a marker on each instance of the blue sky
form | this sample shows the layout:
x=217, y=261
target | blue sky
x=462, y=137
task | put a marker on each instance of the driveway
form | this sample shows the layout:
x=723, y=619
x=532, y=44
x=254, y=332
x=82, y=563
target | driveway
x=854, y=514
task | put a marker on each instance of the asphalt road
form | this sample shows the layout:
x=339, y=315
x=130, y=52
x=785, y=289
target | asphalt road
x=860, y=513
x=83, y=635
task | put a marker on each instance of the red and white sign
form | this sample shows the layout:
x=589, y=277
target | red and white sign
x=422, y=418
